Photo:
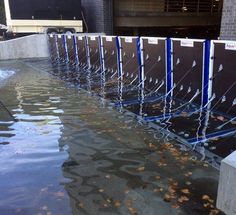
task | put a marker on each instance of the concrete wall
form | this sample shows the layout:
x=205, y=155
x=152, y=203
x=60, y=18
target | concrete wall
x=99, y=15
x=226, y=199
x=33, y=46
x=228, y=22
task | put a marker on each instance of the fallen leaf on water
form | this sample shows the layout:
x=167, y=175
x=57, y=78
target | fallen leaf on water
x=188, y=174
x=214, y=212
x=185, y=191
x=211, y=200
x=183, y=199
x=171, y=190
x=206, y=205
x=175, y=206
x=81, y=205
x=140, y=169
x=188, y=183
x=167, y=198
x=132, y=210
x=108, y=176
x=151, y=145
x=117, y=204
x=205, y=197
x=175, y=184
x=126, y=191
x=233, y=122
x=158, y=177
x=221, y=118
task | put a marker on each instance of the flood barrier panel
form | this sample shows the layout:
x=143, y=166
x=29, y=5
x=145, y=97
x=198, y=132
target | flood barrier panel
x=185, y=86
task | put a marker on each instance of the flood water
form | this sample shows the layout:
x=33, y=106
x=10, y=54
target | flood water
x=68, y=152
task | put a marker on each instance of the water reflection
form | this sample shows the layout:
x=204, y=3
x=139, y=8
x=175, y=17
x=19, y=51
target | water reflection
x=68, y=154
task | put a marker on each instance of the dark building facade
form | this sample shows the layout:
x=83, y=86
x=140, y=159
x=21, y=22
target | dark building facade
x=178, y=18
x=98, y=15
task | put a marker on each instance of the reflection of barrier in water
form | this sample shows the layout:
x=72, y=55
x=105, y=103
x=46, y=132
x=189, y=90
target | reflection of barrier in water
x=175, y=84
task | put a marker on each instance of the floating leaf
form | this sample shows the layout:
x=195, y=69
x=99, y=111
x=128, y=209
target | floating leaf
x=117, y=204
x=233, y=122
x=105, y=205
x=206, y=205
x=205, y=197
x=185, y=191
x=183, y=199
x=167, y=198
x=188, y=174
x=126, y=191
x=175, y=206
x=108, y=176
x=151, y=145
x=188, y=183
x=141, y=169
x=214, y=212
x=221, y=118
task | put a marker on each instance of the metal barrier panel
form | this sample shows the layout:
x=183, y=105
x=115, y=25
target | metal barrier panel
x=94, y=52
x=202, y=84
x=53, y=48
x=62, y=49
x=130, y=65
x=110, y=58
x=188, y=69
x=82, y=50
x=223, y=77
x=130, y=62
x=154, y=62
x=71, y=49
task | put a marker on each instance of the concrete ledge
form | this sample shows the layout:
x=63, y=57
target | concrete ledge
x=226, y=200
x=33, y=46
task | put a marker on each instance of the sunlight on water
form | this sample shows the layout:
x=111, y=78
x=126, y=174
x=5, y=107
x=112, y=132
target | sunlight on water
x=4, y=74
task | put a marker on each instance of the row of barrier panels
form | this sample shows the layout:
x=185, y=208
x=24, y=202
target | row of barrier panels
x=184, y=87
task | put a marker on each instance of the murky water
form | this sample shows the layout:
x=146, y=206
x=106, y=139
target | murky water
x=68, y=152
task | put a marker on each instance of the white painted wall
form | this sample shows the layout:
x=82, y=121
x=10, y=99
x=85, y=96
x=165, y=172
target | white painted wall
x=33, y=46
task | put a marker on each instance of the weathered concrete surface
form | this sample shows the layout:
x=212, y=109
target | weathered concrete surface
x=226, y=200
x=33, y=46
x=228, y=24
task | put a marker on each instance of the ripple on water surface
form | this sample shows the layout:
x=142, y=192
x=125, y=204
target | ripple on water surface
x=69, y=153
